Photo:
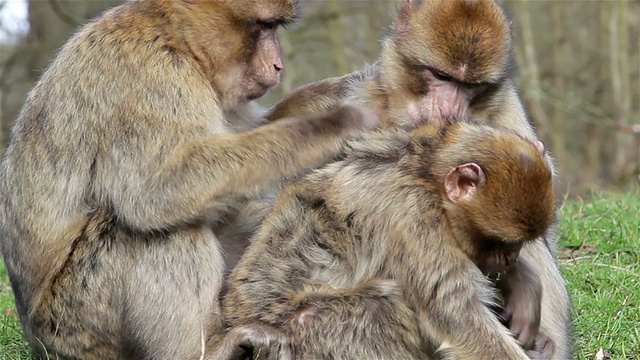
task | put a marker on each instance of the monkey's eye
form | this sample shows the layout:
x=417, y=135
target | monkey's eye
x=477, y=86
x=476, y=89
x=267, y=24
x=441, y=76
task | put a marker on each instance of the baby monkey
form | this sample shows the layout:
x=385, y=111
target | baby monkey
x=381, y=254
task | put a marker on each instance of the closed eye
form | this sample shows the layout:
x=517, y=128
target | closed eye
x=273, y=23
x=440, y=75
x=267, y=24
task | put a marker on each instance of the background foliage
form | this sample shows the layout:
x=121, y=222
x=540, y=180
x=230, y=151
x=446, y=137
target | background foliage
x=578, y=62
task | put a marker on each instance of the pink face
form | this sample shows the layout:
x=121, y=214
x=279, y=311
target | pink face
x=266, y=62
x=446, y=97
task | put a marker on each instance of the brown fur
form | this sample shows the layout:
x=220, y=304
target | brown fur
x=394, y=86
x=318, y=267
x=478, y=38
x=123, y=159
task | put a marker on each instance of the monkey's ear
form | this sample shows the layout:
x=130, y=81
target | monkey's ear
x=540, y=146
x=463, y=181
x=405, y=9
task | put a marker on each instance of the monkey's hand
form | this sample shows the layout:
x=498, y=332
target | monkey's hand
x=522, y=311
x=498, y=259
x=253, y=342
x=543, y=348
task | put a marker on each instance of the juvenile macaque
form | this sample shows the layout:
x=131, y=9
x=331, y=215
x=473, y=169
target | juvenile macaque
x=419, y=207
x=448, y=58
x=125, y=157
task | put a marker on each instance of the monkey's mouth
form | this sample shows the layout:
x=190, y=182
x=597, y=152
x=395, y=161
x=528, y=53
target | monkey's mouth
x=496, y=275
x=260, y=89
x=258, y=92
x=492, y=244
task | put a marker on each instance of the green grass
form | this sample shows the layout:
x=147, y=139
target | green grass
x=12, y=344
x=601, y=262
x=600, y=259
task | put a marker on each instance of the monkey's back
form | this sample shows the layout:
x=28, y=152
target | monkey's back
x=95, y=124
x=314, y=245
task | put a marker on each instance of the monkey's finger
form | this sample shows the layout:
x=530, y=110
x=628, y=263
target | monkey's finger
x=526, y=338
x=535, y=355
x=506, y=315
x=524, y=332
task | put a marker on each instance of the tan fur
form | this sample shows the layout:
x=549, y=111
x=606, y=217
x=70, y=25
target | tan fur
x=315, y=97
x=477, y=30
x=320, y=267
x=125, y=157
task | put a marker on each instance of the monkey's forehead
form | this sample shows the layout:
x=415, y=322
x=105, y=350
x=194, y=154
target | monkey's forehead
x=266, y=9
x=468, y=40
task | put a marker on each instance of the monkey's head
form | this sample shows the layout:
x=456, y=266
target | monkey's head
x=447, y=54
x=236, y=43
x=495, y=184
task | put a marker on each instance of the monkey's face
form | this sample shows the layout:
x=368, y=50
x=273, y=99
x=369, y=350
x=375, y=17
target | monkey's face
x=260, y=20
x=243, y=44
x=265, y=62
x=450, y=53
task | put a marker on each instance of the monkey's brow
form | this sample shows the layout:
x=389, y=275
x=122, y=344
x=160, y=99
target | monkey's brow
x=276, y=21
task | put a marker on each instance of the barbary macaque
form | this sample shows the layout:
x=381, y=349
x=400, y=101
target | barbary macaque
x=376, y=255
x=449, y=58
x=125, y=160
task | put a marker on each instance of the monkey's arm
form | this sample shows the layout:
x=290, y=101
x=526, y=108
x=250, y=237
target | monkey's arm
x=455, y=310
x=319, y=96
x=523, y=301
x=202, y=173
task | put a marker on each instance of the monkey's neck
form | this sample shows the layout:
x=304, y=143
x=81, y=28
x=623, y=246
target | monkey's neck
x=462, y=231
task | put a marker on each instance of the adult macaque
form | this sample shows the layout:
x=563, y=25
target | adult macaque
x=418, y=207
x=124, y=158
x=446, y=58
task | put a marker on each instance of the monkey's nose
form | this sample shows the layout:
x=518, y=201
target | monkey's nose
x=278, y=65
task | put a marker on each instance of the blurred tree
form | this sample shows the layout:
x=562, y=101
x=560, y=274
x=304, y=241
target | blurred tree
x=578, y=70
x=620, y=82
x=51, y=22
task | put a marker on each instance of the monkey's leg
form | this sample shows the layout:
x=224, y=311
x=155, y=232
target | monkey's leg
x=79, y=316
x=543, y=349
x=125, y=297
x=371, y=321
x=172, y=305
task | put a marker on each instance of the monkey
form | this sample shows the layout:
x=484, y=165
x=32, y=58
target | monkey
x=374, y=255
x=449, y=58
x=123, y=163
x=519, y=287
